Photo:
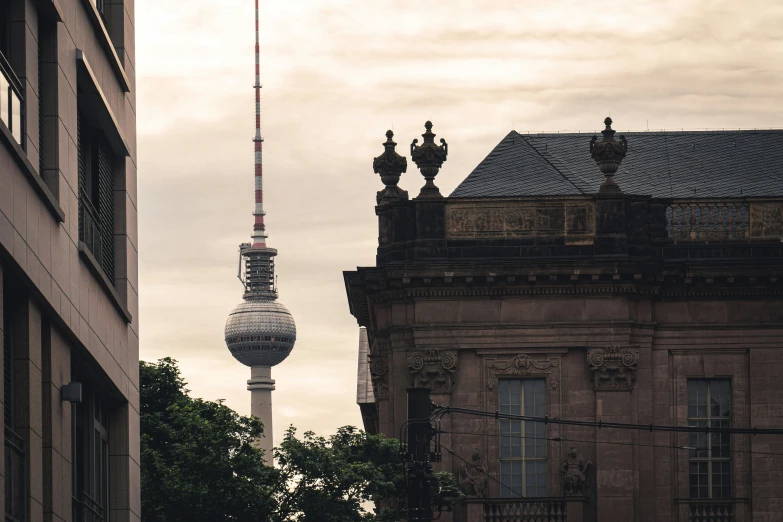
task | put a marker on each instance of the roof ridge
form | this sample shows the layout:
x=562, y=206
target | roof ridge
x=545, y=158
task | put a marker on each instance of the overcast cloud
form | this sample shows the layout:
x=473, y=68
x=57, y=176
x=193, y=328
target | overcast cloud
x=336, y=75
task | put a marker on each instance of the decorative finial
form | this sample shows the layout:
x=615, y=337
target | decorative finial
x=429, y=158
x=608, y=154
x=390, y=166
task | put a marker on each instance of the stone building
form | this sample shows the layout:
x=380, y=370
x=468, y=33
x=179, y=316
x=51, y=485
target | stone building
x=68, y=261
x=543, y=286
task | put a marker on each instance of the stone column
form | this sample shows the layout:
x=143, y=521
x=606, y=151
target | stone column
x=261, y=386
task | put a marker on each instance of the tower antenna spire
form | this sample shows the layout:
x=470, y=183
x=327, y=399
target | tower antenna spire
x=259, y=229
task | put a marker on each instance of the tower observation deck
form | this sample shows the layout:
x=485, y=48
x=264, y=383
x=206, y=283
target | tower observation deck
x=260, y=332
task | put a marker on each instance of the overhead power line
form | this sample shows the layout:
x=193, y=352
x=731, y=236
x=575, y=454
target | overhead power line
x=439, y=412
x=568, y=439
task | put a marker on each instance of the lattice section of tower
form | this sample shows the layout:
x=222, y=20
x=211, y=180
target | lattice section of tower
x=257, y=271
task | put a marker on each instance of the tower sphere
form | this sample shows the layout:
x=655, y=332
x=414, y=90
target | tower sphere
x=260, y=332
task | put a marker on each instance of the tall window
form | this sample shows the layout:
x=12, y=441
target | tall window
x=91, y=460
x=11, y=99
x=709, y=406
x=14, y=444
x=96, y=196
x=523, y=443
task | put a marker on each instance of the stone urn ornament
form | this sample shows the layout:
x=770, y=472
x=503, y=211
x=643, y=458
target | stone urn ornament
x=429, y=158
x=608, y=154
x=390, y=166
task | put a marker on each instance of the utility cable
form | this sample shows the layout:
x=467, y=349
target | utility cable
x=438, y=413
x=566, y=439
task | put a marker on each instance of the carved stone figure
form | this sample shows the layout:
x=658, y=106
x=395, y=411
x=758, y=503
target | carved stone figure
x=429, y=158
x=608, y=154
x=390, y=166
x=574, y=473
x=614, y=367
x=433, y=369
x=473, y=477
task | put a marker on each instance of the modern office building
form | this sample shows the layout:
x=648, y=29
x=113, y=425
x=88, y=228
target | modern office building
x=68, y=261
x=636, y=280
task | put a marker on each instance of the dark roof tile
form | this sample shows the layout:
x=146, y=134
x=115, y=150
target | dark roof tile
x=660, y=164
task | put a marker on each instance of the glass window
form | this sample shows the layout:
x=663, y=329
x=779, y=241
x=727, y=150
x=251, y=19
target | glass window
x=709, y=406
x=14, y=444
x=523, y=464
x=96, y=194
x=91, y=460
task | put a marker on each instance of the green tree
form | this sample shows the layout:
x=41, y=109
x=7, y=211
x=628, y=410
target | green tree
x=199, y=465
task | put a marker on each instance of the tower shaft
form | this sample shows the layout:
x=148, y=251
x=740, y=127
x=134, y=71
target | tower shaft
x=261, y=386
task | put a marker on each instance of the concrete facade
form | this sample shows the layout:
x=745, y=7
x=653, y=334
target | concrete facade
x=469, y=291
x=66, y=316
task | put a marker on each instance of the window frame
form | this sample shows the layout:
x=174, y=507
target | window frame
x=526, y=398
x=91, y=472
x=702, y=452
x=13, y=442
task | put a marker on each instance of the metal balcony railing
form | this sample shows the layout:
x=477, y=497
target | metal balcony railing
x=11, y=100
x=708, y=220
x=711, y=511
x=90, y=227
x=525, y=510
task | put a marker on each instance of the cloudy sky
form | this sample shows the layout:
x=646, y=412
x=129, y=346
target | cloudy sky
x=337, y=74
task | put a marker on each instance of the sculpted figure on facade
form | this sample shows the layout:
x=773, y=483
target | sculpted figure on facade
x=613, y=367
x=574, y=472
x=433, y=369
x=473, y=477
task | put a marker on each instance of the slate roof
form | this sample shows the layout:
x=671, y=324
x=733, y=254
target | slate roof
x=686, y=164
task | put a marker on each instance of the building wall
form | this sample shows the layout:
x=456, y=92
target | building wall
x=637, y=475
x=69, y=321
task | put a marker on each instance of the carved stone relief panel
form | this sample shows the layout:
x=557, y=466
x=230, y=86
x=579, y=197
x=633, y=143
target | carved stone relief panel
x=433, y=369
x=766, y=220
x=613, y=367
x=521, y=365
x=575, y=220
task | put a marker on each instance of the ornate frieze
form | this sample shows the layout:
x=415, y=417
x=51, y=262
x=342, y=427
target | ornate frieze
x=575, y=220
x=433, y=369
x=613, y=367
x=521, y=365
x=379, y=373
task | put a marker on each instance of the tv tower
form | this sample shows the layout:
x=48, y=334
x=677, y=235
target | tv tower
x=260, y=331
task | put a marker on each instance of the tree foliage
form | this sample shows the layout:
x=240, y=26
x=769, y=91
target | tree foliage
x=199, y=465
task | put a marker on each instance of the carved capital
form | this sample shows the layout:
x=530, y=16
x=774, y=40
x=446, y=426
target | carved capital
x=433, y=369
x=613, y=367
x=521, y=365
x=379, y=373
